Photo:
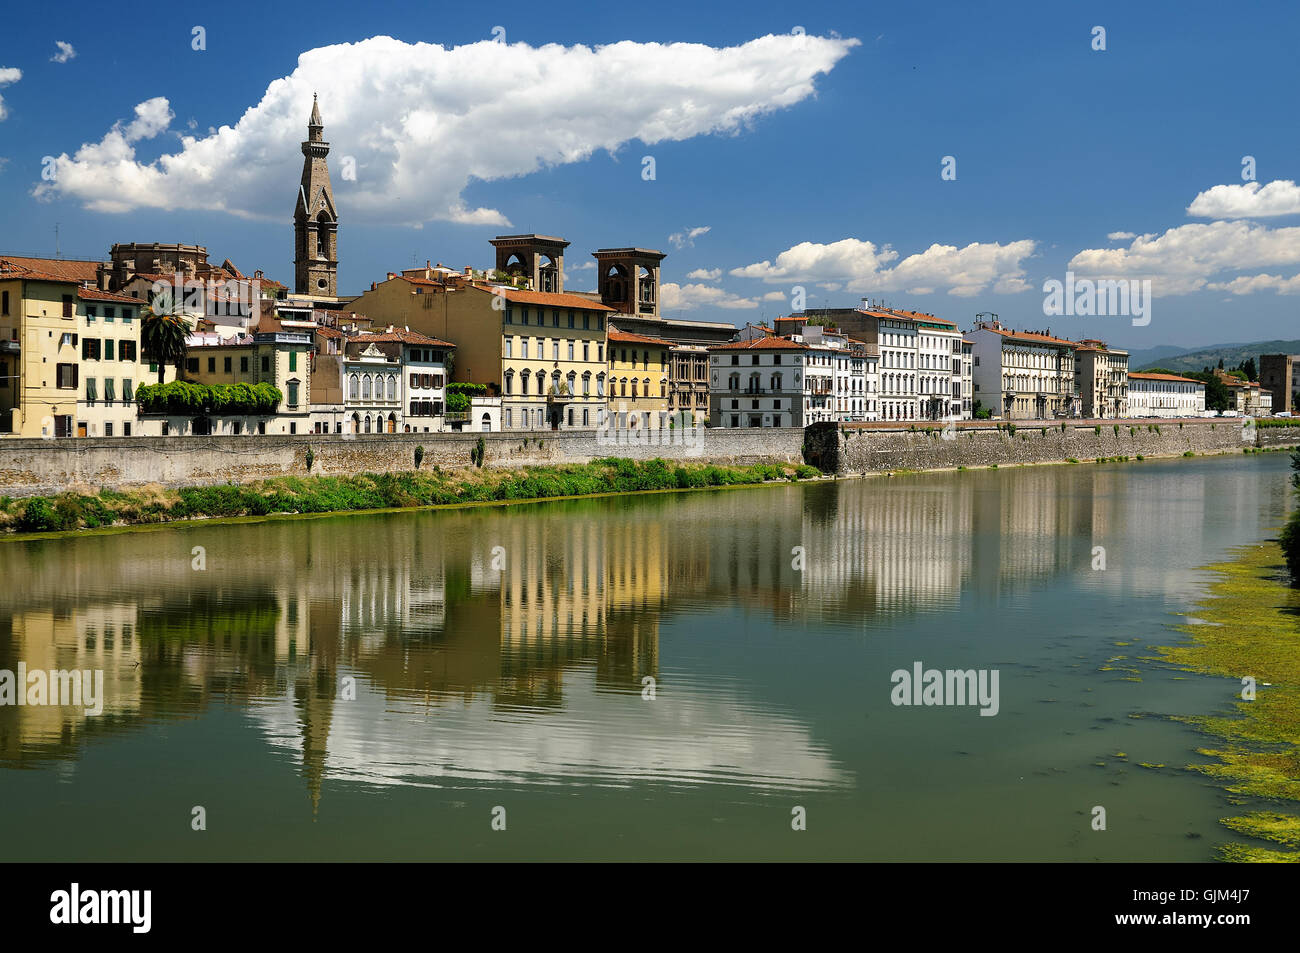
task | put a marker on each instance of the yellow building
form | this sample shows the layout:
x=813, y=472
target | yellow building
x=638, y=380
x=69, y=353
x=276, y=352
x=542, y=352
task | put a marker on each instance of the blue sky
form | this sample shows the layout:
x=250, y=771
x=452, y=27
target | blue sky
x=1056, y=144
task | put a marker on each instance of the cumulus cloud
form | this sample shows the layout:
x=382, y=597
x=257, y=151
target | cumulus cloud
x=422, y=121
x=66, y=52
x=1248, y=200
x=1184, y=259
x=1249, y=284
x=8, y=76
x=674, y=297
x=705, y=274
x=1120, y=236
x=864, y=266
x=686, y=238
x=773, y=296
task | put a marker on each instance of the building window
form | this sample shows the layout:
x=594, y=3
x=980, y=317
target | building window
x=266, y=364
x=66, y=376
x=67, y=306
x=109, y=390
x=126, y=429
x=90, y=349
x=91, y=391
x=365, y=393
x=293, y=361
x=293, y=393
x=226, y=364
x=128, y=392
x=243, y=365
x=392, y=387
x=192, y=365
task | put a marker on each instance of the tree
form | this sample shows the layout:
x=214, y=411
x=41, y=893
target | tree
x=162, y=336
x=1216, y=392
x=1220, y=363
x=1252, y=374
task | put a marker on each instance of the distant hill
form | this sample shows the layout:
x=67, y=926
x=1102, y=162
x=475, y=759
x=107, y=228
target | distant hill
x=1183, y=359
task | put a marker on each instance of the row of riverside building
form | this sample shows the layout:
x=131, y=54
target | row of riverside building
x=532, y=354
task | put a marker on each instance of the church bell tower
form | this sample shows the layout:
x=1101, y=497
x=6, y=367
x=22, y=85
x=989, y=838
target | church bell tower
x=315, y=219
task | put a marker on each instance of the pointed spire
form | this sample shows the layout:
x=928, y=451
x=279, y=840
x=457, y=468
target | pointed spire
x=315, y=113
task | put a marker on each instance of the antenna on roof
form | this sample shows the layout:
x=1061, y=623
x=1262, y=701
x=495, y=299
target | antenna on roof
x=57, y=254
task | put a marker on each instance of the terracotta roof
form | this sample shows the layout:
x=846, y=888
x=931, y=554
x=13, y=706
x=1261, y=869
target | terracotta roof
x=12, y=270
x=94, y=294
x=328, y=332
x=61, y=268
x=628, y=337
x=423, y=282
x=907, y=315
x=1033, y=337
x=549, y=299
x=761, y=344
x=405, y=337
x=1161, y=377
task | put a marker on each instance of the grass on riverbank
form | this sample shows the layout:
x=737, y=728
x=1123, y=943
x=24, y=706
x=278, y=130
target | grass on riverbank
x=1253, y=630
x=374, y=491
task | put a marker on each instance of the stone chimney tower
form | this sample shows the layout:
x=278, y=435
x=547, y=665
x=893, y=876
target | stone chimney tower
x=315, y=219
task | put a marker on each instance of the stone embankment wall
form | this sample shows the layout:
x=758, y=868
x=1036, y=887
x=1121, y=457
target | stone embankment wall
x=861, y=450
x=29, y=467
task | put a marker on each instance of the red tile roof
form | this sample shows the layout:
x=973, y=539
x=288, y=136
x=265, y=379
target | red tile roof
x=405, y=337
x=761, y=344
x=94, y=294
x=63, y=269
x=1033, y=337
x=1146, y=376
x=548, y=299
x=627, y=337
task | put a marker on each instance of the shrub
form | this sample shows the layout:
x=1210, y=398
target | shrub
x=1097, y=430
x=311, y=458
x=419, y=455
x=1290, y=540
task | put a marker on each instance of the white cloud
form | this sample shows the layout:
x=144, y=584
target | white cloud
x=4, y=161
x=422, y=121
x=1120, y=236
x=1185, y=258
x=1249, y=284
x=583, y=267
x=674, y=297
x=8, y=76
x=687, y=237
x=705, y=274
x=773, y=296
x=1248, y=200
x=863, y=266
x=66, y=52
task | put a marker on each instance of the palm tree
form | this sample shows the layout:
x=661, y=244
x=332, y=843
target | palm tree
x=162, y=336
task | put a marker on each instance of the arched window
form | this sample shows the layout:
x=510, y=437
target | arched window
x=633, y=387
x=354, y=387
x=356, y=423
x=510, y=382
x=365, y=393
x=776, y=382
x=600, y=385
x=733, y=382
x=392, y=387
x=541, y=382
x=586, y=384
x=367, y=423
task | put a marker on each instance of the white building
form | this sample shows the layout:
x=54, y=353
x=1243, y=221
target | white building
x=757, y=383
x=1023, y=375
x=1164, y=395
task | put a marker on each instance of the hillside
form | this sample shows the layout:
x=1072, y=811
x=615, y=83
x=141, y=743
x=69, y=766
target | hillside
x=1199, y=358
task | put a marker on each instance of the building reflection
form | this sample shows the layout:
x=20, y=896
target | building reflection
x=500, y=616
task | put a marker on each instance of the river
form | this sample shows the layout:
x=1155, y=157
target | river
x=663, y=676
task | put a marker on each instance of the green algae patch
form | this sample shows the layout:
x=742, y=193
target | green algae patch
x=1252, y=632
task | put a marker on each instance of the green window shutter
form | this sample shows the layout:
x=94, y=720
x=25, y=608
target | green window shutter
x=293, y=360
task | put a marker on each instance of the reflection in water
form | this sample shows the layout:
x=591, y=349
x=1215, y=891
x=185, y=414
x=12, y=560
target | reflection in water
x=515, y=645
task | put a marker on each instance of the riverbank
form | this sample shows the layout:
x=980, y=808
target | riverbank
x=1251, y=628
x=435, y=486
